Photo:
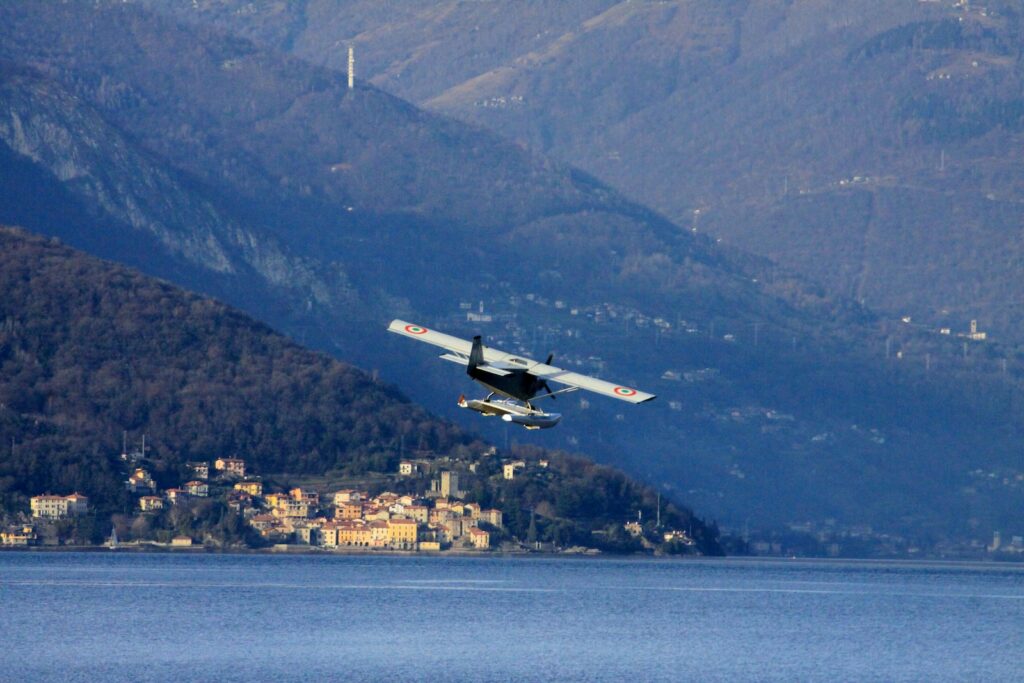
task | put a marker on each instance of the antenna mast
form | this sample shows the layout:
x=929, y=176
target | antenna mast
x=351, y=67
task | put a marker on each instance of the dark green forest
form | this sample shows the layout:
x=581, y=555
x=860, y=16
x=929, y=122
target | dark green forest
x=89, y=350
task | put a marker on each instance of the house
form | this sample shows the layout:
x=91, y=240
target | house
x=20, y=536
x=471, y=510
x=141, y=482
x=408, y=468
x=975, y=334
x=378, y=533
x=275, y=498
x=402, y=533
x=481, y=539
x=453, y=528
x=176, y=495
x=349, y=496
x=354, y=533
x=181, y=542
x=510, y=468
x=151, y=503
x=230, y=466
x=678, y=537
x=374, y=512
x=263, y=524
x=310, y=498
x=296, y=509
x=349, y=510
x=197, y=488
x=438, y=516
x=491, y=516
x=77, y=504
x=199, y=470
x=307, y=532
x=239, y=501
x=56, y=507
x=251, y=486
x=421, y=513
x=288, y=508
x=327, y=535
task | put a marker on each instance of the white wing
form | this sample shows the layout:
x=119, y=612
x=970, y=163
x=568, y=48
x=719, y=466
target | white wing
x=501, y=363
x=598, y=386
x=459, y=347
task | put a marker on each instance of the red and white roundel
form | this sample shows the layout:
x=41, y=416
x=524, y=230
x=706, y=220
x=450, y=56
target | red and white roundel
x=415, y=329
x=624, y=391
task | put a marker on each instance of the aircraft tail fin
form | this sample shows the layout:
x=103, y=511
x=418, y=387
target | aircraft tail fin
x=476, y=354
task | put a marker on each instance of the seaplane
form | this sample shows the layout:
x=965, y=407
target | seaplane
x=515, y=382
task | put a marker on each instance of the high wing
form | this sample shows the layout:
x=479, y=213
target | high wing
x=497, y=362
x=598, y=386
x=501, y=363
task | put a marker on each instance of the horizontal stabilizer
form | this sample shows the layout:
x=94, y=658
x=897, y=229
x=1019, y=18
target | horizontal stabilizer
x=493, y=370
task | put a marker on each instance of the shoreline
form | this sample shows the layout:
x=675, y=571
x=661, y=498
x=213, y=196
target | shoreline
x=514, y=554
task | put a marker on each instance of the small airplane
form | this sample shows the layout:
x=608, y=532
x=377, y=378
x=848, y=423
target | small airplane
x=517, y=379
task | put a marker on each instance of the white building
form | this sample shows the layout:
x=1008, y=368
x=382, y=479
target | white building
x=55, y=507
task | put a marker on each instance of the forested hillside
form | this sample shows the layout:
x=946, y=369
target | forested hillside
x=89, y=350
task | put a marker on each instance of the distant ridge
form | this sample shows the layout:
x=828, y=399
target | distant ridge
x=869, y=144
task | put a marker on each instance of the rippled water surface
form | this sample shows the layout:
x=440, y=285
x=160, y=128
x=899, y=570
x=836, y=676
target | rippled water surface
x=192, y=617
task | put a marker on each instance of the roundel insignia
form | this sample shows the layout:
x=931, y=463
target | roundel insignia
x=625, y=391
x=415, y=329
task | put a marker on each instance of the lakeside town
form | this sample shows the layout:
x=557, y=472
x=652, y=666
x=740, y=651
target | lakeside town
x=429, y=512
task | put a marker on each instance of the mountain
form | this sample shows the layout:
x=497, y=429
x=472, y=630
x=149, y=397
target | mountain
x=244, y=173
x=868, y=145
x=90, y=350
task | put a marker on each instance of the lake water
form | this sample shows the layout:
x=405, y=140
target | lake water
x=118, y=616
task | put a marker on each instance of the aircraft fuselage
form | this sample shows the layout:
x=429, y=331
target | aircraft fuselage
x=517, y=384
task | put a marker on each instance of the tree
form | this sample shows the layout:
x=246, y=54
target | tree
x=531, y=533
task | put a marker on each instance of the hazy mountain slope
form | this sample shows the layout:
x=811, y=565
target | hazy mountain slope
x=776, y=402
x=760, y=114
x=231, y=120
x=134, y=198
x=371, y=163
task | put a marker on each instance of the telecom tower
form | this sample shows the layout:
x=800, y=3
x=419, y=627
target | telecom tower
x=351, y=67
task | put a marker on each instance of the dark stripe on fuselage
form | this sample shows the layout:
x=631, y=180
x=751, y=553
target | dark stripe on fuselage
x=517, y=384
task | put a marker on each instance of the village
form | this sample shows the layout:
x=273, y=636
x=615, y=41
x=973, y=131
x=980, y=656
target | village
x=432, y=515
x=347, y=518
